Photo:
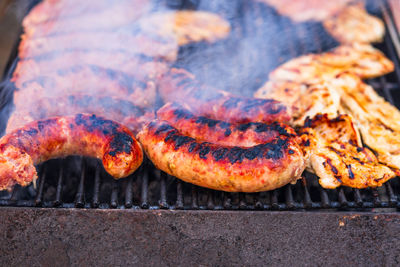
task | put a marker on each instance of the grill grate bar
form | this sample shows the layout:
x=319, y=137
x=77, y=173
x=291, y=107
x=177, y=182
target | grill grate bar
x=392, y=196
x=307, y=198
x=39, y=196
x=342, y=199
x=80, y=195
x=96, y=188
x=163, y=191
x=114, y=194
x=289, y=197
x=145, y=181
x=377, y=200
x=325, y=203
x=57, y=201
x=195, y=200
x=179, y=195
x=227, y=201
x=357, y=198
x=128, y=191
x=210, y=200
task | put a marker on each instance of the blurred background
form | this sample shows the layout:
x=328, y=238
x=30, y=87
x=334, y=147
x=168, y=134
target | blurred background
x=11, y=14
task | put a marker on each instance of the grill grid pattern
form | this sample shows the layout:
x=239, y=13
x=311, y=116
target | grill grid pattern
x=82, y=183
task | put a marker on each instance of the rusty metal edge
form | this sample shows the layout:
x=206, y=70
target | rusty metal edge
x=65, y=237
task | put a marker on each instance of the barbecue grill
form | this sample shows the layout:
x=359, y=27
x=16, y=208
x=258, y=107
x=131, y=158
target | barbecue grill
x=76, y=213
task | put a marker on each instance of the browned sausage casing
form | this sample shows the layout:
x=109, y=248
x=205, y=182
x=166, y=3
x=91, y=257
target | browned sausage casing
x=221, y=132
x=179, y=85
x=229, y=168
x=82, y=134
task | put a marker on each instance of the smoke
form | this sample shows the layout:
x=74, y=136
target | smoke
x=120, y=48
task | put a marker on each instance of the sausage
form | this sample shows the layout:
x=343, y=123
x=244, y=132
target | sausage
x=90, y=79
x=180, y=86
x=220, y=132
x=261, y=167
x=116, y=109
x=122, y=40
x=82, y=134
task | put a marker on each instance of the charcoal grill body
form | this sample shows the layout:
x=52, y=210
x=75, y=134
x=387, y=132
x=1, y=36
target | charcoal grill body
x=78, y=215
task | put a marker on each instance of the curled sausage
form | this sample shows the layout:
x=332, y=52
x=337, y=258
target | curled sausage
x=82, y=134
x=257, y=168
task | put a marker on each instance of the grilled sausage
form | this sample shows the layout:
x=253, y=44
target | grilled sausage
x=123, y=40
x=60, y=17
x=81, y=134
x=229, y=168
x=113, y=108
x=140, y=67
x=89, y=79
x=220, y=132
x=181, y=86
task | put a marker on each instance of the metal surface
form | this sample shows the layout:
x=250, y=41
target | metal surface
x=78, y=237
x=82, y=183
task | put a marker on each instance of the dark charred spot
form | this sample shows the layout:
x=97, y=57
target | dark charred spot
x=308, y=122
x=209, y=122
x=275, y=108
x=32, y=132
x=93, y=123
x=336, y=151
x=236, y=154
x=307, y=143
x=192, y=147
x=171, y=136
x=275, y=126
x=163, y=128
x=244, y=127
x=254, y=152
x=182, y=114
x=227, y=132
x=351, y=174
x=182, y=140
x=220, y=153
x=45, y=123
x=359, y=149
x=203, y=150
x=291, y=151
x=333, y=168
x=224, y=125
x=121, y=142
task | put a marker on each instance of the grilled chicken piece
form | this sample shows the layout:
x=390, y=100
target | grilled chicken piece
x=305, y=100
x=54, y=17
x=86, y=79
x=354, y=24
x=119, y=41
x=334, y=150
x=360, y=59
x=186, y=26
x=378, y=120
x=305, y=10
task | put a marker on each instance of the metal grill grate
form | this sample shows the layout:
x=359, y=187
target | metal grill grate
x=82, y=183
